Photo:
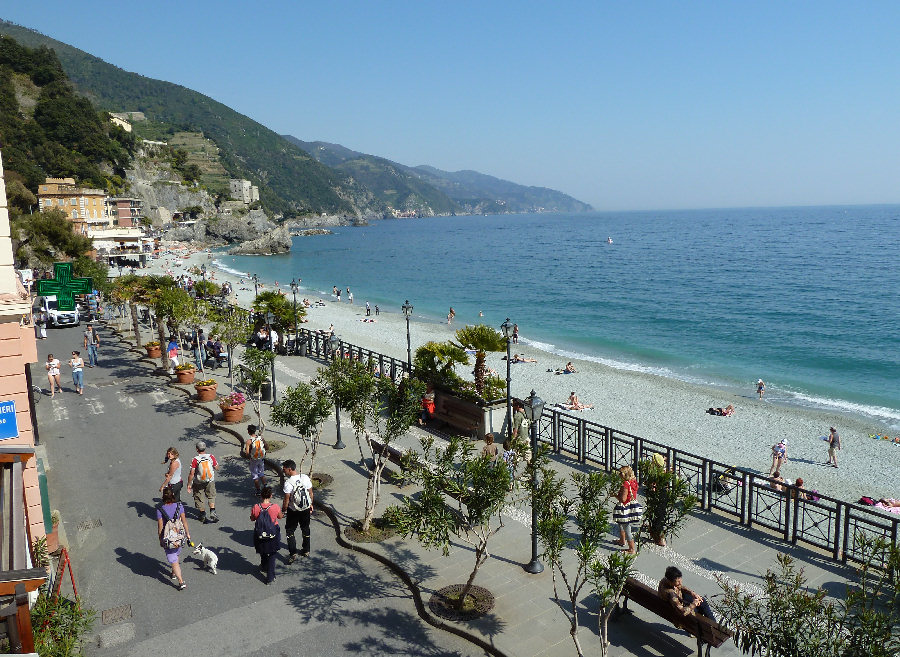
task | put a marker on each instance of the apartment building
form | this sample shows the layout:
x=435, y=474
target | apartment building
x=244, y=191
x=81, y=205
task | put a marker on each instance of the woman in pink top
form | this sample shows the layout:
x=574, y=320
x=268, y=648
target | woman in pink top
x=267, y=548
x=627, y=494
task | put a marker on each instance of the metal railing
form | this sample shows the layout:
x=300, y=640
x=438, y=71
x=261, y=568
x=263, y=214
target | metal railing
x=825, y=523
x=318, y=345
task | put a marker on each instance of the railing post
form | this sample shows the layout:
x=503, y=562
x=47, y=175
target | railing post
x=787, y=514
x=554, y=432
x=607, y=438
x=747, y=495
x=836, y=547
x=846, y=532
x=582, y=442
x=706, y=484
x=636, y=445
x=796, y=514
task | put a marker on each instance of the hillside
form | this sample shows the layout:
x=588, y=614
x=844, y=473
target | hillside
x=289, y=180
x=457, y=192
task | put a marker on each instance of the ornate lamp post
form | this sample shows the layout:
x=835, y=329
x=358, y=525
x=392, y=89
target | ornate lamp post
x=255, y=279
x=407, y=311
x=294, y=288
x=270, y=319
x=534, y=407
x=335, y=344
x=203, y=272
x=507, y=329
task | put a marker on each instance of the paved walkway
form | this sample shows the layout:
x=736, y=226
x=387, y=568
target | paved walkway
x=105, y=451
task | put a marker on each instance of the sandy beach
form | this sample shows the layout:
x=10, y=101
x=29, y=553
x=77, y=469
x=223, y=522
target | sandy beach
x=656, y=408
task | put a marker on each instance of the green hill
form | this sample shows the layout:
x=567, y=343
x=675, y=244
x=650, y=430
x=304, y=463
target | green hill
x=289, y=180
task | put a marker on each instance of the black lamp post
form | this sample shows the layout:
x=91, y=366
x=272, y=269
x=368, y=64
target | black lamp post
x=294, y=288
x=507, y=329
x=407, y=311
x=203, y=272
x=270, y=319
x=534, y=407
x=255, y=279
x=335, y=343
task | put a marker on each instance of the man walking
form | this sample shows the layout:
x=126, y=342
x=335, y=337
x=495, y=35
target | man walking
x=91, y=343
x=255, y=449
x=834, y=444
x=297, y=507
x=201, y=482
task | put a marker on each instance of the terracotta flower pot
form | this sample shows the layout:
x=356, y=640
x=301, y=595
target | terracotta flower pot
x=185, y=376
x=232, y=413
x=206, y=393
x=154, y=352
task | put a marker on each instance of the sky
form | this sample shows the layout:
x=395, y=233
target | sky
x=626, y=106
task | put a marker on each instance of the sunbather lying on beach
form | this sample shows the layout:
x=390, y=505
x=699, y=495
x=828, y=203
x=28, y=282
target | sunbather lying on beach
x=520, y=359
x=728, y=410
x=574, y=404
x=568, y=369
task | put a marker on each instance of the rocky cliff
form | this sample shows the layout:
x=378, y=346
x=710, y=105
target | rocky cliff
x=273, y=241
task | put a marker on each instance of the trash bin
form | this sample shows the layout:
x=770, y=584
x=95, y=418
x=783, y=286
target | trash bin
x=303, y=346
x=266, y=391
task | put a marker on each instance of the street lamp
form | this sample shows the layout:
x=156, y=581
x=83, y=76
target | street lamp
x=335, y=342
x=534, y=407
x=294, y=288
x=507, y=329
x=255, y=279
x=270, y=319
x=203, y=272
x=407, y=311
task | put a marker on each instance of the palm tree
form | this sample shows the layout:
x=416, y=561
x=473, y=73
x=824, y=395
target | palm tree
x=482, y=339
x=280, y=307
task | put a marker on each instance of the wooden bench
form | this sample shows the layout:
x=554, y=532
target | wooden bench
x=465, y=416
x=707, y=632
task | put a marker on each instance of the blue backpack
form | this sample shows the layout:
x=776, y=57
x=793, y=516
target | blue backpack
x=265, y=528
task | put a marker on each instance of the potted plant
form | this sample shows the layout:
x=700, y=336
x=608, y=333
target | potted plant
x=154, y=350
x=53, y=535
x=206, y=390
x=185, y=373
x=232, y=407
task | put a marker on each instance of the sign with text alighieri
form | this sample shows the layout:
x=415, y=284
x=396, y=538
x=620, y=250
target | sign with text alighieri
x=9, y=428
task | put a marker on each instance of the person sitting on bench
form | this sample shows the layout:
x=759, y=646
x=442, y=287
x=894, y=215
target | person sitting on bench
x=682, y=598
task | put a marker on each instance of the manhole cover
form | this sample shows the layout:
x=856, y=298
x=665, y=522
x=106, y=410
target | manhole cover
x=116, y=614
x=89, y=524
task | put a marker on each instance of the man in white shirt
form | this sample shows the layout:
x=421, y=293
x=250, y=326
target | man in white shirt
x=297, y=507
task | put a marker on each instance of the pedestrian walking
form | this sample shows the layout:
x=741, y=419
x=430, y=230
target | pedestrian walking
x=779, y=455
x=41, y=322
x=202, y=484
x=266, y=532
x=77, y=364
x=52, y=367
x=760, y=388
x=297, y=507
x=628, y=511
x=834, y=444
x=92, y=344
x=173, y=477
x=255, y=449
x=349, y=296
x=173, y=530
x=368, y=309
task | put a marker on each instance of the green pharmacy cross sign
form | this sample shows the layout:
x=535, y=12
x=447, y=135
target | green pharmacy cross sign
x=64, y=286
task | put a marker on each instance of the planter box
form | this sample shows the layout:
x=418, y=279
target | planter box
x=154, y=352
x=185, y=376
x=206, y=393
x=232, y=413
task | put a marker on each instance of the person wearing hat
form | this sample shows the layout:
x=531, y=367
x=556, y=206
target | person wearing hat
x=834, y=444
x=779, y=455
x=760, y=388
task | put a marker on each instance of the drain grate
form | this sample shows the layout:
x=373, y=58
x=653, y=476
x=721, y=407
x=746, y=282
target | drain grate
x=116, y=614
x=90, y=523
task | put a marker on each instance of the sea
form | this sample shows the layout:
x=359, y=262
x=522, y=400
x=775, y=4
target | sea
x=805, y=298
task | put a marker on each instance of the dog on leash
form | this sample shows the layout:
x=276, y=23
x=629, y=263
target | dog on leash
x=210, y=559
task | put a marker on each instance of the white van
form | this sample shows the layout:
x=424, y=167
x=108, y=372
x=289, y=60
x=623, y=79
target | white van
x=55, y=316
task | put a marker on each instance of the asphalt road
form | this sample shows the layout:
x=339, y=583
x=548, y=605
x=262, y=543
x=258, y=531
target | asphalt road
x=105, y=450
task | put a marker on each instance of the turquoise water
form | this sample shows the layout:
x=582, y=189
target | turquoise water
x=804, y=298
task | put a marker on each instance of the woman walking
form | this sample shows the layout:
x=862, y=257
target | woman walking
x=627, y=495
x=77, y=364
x=52, y=367
x=267, y=533
x=173, y=531
x=173, y=473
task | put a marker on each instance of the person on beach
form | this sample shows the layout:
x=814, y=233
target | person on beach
x=377, y=310
x=779, y=455
x=52, y=367
x=777, y=482
x=626, y=495
x=760, y=388
x=515, y=338
x=521, y=359
x=172, y=478
x=834, y=444
x=568, y=369
x=575, y=404
x=450, y=315
x=173, y=530
x=368, y=309
x=799, y=493
x=266, y=535
x=77, y=365
x=490, y=450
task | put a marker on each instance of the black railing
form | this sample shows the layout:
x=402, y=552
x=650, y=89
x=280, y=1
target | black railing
x=318, y=345
x=825, y=523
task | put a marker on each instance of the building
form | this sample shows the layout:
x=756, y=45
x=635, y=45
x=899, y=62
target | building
x=124, y=211
x=244, y=191
x=80, y=205
x=21, y=506
x=121, y=120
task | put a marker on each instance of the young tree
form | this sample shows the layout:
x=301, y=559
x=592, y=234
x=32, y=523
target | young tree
x=350, y=385
x=587, y=507
x=257, y=366
x=788, y=620
x=482, y=339
x=434, y=363
x=478, y=488
x=305, y=409
x=232, y=328
x=197, y=316
x=128, y=289
x=668, y=502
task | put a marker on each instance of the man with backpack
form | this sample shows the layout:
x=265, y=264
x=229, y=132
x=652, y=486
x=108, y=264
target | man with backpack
x=201, y=482
x=297, y=507
x=255, y=448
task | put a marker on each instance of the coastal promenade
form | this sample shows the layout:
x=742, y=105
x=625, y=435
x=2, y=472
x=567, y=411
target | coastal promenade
x=105, y=450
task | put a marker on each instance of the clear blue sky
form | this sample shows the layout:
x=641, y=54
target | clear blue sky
x=623, y=105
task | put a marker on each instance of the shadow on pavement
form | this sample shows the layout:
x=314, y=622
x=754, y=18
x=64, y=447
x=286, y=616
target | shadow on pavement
x=402, y=635
x=141, y=564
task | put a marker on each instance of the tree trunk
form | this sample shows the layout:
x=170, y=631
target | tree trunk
x=481, y=556
x=312, y=459
x=132, y=308
x=161, y=334
x=604, y=631
x=479, y=373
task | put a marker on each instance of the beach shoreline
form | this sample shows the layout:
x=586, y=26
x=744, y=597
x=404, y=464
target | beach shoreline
x=660, y=409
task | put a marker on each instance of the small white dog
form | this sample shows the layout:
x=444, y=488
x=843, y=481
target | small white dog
x=210, y=559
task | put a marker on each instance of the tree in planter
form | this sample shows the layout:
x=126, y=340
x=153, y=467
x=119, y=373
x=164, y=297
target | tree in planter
x=232, y=328
x=482, y=339
x=305, y=409
x=393, y=409
x=350, y=385
x=283, y=310
x=479, y=490
x=434, y=363
x=197, y=316
x=588, y=508
x=158, y=292
x=129, y=289
x=668, y=502
x=206, y=289
x=257, y=366
x=787, y=620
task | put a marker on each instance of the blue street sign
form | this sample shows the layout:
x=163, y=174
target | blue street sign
x=9, y=428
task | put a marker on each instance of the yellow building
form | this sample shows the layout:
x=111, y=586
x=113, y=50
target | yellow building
x=81, y=205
